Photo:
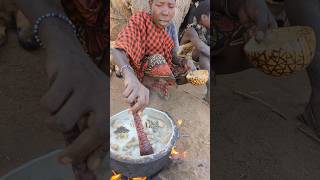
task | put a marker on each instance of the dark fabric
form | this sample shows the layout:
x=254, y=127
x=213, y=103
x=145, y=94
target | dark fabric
x=91, y=19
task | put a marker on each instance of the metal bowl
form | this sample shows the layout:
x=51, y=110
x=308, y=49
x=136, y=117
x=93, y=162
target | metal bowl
x=144, y=165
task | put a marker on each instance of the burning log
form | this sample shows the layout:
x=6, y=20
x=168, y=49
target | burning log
x=115, y=176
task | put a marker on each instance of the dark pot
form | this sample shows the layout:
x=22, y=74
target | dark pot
x=146, y=165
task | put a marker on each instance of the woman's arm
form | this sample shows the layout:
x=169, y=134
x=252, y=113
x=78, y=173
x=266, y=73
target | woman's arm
x=53, y=31
x=70, y=72
x=135, y=92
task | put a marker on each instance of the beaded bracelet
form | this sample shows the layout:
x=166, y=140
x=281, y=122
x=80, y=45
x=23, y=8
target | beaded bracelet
x=40, y=19
x=128, y=67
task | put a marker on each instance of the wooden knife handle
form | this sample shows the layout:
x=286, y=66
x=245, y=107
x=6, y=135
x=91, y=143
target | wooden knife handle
x=144, y=143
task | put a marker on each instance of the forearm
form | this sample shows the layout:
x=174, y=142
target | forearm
x=204, y=49
x=54, y=33
x=175, y=59
x=201, y=46
x=120, y=59
x=192, y=36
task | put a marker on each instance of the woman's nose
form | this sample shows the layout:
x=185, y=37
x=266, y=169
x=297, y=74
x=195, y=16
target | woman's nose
x=165, y=11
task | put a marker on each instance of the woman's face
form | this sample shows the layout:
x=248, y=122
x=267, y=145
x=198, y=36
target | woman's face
x=162, y=11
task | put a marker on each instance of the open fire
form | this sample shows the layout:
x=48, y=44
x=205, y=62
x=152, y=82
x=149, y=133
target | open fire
x=116, y=176
x=178, y=152
x=175, y=154
x=179, y=122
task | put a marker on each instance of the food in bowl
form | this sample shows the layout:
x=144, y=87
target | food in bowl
x=124, y=139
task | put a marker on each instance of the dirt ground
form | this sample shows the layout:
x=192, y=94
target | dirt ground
x=23, y=135
x=252, y=142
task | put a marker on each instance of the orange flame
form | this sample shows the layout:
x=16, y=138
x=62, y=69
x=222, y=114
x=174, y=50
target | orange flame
x=177, y=155
x=179, y=122
x=138, y=178
x=174, y=151
x=115, y=176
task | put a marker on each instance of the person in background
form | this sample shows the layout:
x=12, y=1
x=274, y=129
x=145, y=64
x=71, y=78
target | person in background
x=198, y=33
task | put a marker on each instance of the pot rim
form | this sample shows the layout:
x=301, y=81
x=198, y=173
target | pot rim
x=153, y=157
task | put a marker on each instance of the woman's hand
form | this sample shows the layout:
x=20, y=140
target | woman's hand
x=254, y=12
x=77, y=89
x=135, y=92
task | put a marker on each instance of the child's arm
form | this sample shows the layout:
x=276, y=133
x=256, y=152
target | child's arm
x=175, y=59
x=192, y=36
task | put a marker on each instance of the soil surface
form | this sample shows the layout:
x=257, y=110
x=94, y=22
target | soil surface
x=252, y=141
x=23, y=134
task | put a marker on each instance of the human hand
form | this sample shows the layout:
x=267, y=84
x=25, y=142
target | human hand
x=135, y=92
x=256, y=13
x=78, y=89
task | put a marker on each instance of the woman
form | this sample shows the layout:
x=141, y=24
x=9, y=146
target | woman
x=77, y=98
x=146, y=54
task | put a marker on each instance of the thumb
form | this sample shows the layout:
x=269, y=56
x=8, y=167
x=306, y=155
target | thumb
x=260, y=35
x=262, y=26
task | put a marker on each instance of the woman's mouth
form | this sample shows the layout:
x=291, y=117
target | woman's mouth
x=163, y=22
